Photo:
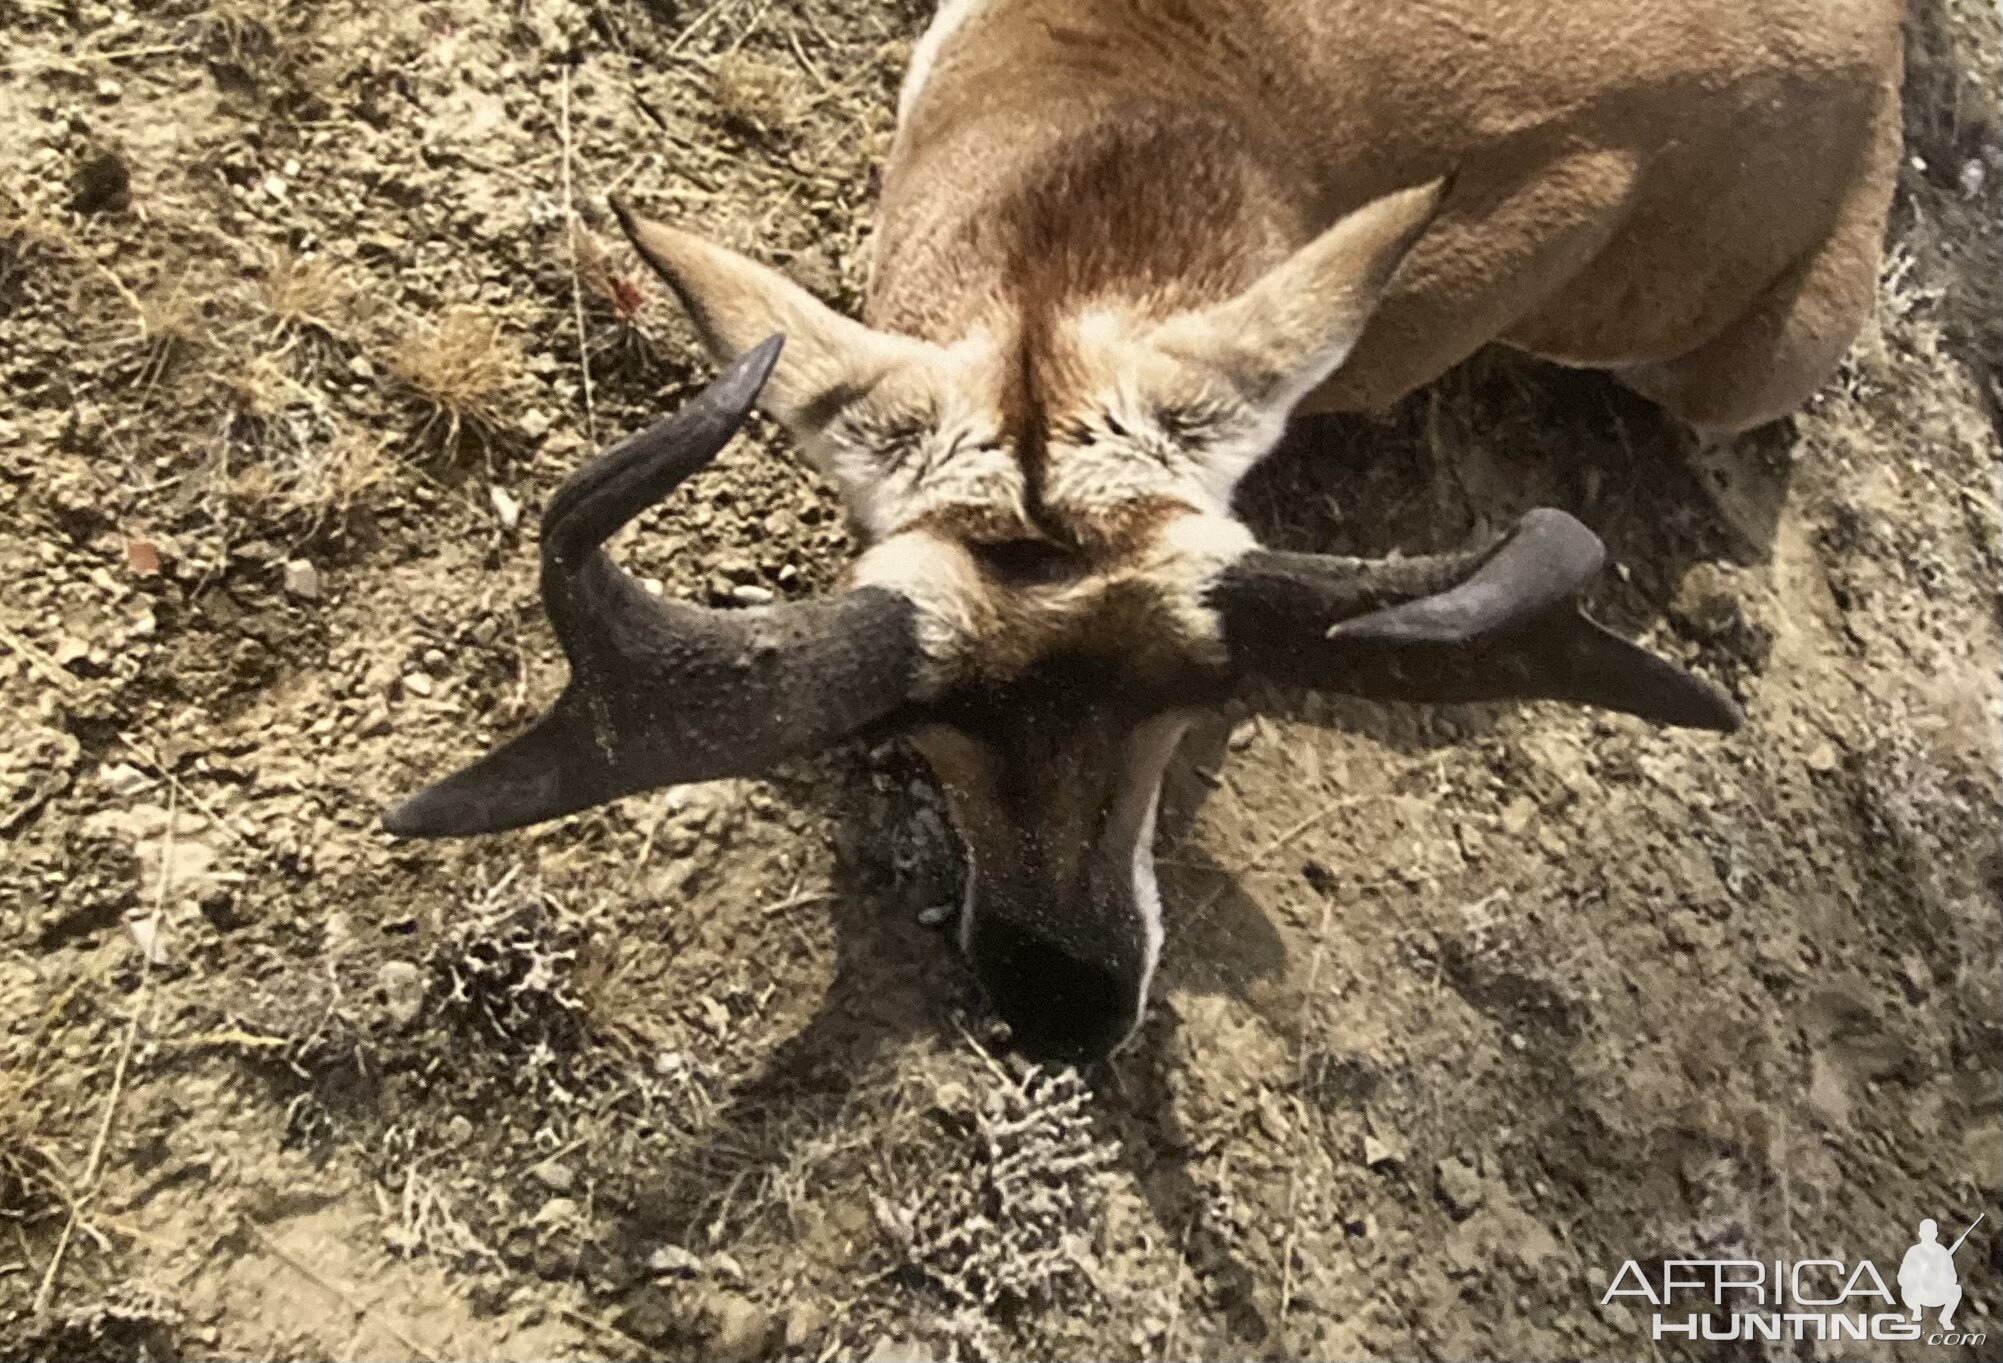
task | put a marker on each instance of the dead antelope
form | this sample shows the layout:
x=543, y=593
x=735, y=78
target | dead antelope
x=1120, y=243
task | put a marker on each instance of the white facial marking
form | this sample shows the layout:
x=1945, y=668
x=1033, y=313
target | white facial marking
x=1153, y=746
x=942, y=581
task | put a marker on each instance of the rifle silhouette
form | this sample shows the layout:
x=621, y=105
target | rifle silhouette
x=1965, y=1234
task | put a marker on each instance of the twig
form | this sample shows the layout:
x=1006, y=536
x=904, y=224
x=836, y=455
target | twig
x=570, y=1313
x=285, y=1257
x=94, y=1165
x=1300, y=1120
x=797, y=900
x=39, y=660
x=576, y=288
x=696, y=24
x=151, y=761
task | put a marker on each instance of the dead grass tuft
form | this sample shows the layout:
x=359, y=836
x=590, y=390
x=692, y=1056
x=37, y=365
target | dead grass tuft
x=508, y=968
x=285, y=453
x=755, y=96
x=999, y=1232
x=461, y=368
x=243, y=32
x=305, y=291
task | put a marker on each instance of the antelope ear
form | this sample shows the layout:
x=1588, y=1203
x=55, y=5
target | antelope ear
x=1281, y=337
x=830, y=360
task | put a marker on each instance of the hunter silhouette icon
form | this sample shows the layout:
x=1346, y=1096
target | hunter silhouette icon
x=1927, y=1278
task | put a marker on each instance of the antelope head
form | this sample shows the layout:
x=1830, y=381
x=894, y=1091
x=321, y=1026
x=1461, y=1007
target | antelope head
x=1053, y=588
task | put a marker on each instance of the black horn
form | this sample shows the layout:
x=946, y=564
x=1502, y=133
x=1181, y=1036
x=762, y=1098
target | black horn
x=662, y=692
x=1498, y=623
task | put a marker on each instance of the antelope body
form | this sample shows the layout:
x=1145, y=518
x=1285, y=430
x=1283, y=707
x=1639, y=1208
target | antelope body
x=1120, y=243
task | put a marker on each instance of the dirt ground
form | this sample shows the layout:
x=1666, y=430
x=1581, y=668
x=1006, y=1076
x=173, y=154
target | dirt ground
x=1461, y=1008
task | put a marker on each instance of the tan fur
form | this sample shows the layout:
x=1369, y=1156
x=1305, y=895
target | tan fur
x=1636, y=180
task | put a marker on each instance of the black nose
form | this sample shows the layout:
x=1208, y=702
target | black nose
x=1059, y=1007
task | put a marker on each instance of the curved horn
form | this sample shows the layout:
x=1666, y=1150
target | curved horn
x=1498, y=623
x=662, y=692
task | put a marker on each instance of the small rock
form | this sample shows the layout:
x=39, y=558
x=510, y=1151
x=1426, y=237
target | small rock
x=740, y=1326
x=1377, y=1153
x=952, y=1097
x=726, y=1267
x=147, y=936
x=1823, y=758
x=535, y=424
x=554, y=1175
x=804, y=1323
x=142, y=557
x=403, y=991
x=1517, y=815
x=109, y=90
x=360, y=367
x=302, y=580
x=891, y=1349
x=749, y=595
x=556, y=1211
x=459, y=1130
x=674, y=1261
x=1915, y=978
x=121, y=779
x=934, y=915
x=1460, y=1187
x=418, y=684
x=505, y=506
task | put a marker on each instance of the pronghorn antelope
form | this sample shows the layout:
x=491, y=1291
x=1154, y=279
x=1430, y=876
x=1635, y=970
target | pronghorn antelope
x=1120, y=243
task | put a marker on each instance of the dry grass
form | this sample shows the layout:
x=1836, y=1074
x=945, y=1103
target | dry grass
x=461, y=368
x=305, y=292
x=240, y=31
x=755, y=96
x=1006, y=1227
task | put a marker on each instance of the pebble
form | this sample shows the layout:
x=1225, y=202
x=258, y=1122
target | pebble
x=674, y=1261
x=418, y=684
x=403, y=991
x=302, y=580
x=935, y=915
x=748, y=595
x=556, y=1211
x=554, y=1175
x=742, y=1326
x=505, y=506
x=1377, y=1153
x=804, y=1324
x=1460, y=1187
x=121, y=779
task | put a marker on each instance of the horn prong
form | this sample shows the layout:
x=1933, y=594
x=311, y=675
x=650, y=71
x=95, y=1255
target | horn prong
x=1497, y=624
x=664, y=692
